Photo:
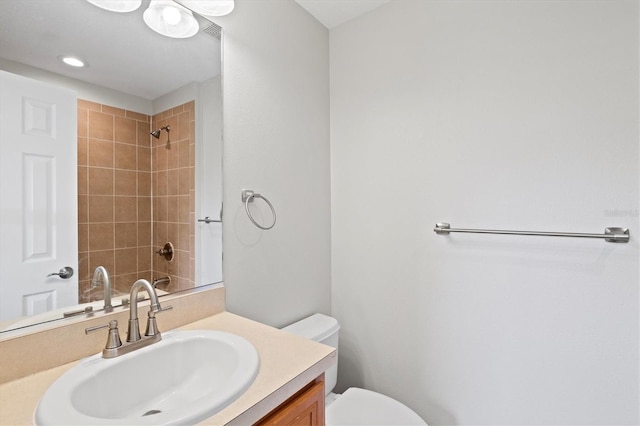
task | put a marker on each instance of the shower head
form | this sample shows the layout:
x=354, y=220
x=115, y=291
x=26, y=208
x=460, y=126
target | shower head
x=156, y=133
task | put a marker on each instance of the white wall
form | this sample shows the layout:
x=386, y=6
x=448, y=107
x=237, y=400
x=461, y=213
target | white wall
x=208, y=201
x=488, y=114
x=86, y=91
x=276, y=142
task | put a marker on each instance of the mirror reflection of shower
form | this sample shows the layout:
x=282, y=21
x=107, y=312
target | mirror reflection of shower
x=156, y=134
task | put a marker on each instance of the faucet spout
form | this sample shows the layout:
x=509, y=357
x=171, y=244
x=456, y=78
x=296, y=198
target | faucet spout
x=101, y=274
x=133, y=334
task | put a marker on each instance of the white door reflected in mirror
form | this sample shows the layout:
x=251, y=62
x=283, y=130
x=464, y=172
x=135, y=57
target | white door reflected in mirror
x=38, y=204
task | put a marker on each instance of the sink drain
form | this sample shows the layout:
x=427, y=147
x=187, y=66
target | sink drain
x=151, y=412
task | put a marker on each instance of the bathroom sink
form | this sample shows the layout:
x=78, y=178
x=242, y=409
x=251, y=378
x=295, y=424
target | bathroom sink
x=183, y=379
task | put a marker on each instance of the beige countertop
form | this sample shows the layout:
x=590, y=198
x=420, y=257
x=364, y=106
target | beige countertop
x=287, y=363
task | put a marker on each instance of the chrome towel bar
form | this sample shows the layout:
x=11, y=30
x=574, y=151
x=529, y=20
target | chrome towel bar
x=611, y=235
x=208, y=220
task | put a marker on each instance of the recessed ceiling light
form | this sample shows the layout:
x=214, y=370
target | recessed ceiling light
x=73, y=61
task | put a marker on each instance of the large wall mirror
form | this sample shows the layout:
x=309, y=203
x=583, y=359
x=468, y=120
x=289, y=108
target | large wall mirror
x=121, y=172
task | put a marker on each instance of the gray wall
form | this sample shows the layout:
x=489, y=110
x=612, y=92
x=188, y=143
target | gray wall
x=488, y=114
x=276, y=141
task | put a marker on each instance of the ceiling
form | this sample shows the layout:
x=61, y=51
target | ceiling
x=332, y=13
x=122, y=52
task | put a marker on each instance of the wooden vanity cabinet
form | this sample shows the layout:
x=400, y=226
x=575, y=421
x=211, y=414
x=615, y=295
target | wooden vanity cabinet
x=305, y=408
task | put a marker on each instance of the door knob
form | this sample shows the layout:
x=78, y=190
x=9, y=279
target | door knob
x=66, y=272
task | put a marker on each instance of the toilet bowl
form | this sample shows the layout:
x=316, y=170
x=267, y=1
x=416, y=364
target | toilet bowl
x=355, y=406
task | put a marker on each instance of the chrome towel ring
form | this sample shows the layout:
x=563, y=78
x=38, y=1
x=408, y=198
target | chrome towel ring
x=248, y=196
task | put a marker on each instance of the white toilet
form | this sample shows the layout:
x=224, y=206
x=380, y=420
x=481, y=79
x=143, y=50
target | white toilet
x=355, y=406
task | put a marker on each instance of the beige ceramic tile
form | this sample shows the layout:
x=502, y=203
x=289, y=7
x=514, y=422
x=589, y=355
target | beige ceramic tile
x=104, y=258
x=173, y=181
x=144, y=258
x=185, y=180
x=101, y=236
x=126, y=130
x=100, y=208
x=126, y=235
x=177, y=110
x=126, y=261
x=160, y=212
x=172, y=209
x=83, y=180
x=138, y=116
x=144, y=184
x=100, y=153
x=89, y=105
x=126, y=209
x=125, y=156
x=144, y=159
x=161, y=183
x=100, y=181
x=100, y=125
x=183, y=209
x=83, y=266
x=83, y=237
x=83, y=151
x=83, y=208
x=183, y=122
x=83, y=122
x=126, y=182
x=143, y=134
x=113, y=110
x=144, y=234
x=172, y=233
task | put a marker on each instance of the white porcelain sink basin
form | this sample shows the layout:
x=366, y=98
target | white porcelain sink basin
x=183, y=379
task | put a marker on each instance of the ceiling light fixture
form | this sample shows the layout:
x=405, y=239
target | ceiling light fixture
x=121, y=6
x=170, y=19
x=73, y=61
x=210, y=7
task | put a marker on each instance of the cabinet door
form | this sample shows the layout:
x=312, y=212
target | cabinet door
x=306, y=408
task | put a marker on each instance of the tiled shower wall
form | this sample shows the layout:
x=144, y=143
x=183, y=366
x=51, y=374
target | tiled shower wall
x=114, y=196
x=173, y=159
x=118, y=162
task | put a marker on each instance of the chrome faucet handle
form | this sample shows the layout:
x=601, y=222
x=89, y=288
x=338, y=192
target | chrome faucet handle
x=168, y=308
x=152, y=325
x=113, y=339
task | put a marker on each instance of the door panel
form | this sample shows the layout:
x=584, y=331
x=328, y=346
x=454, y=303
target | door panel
x=38, y=201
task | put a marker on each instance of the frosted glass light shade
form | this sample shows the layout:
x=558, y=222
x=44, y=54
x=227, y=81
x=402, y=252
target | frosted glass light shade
x=210, y=7
x=170, y=19
x=121, y=6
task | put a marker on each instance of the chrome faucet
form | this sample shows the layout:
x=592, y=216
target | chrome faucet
x=101, y=274
x=115, y=347
x=161, y=281
x=133, y=335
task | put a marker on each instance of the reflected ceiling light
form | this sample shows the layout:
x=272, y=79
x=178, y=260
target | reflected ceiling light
x=73, y=61
x=121, y=6
x=170, y=19
x=210, y=7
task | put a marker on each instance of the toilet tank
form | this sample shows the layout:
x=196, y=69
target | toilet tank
x=322, y=329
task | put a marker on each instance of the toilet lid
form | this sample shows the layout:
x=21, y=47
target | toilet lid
x=363, y=407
